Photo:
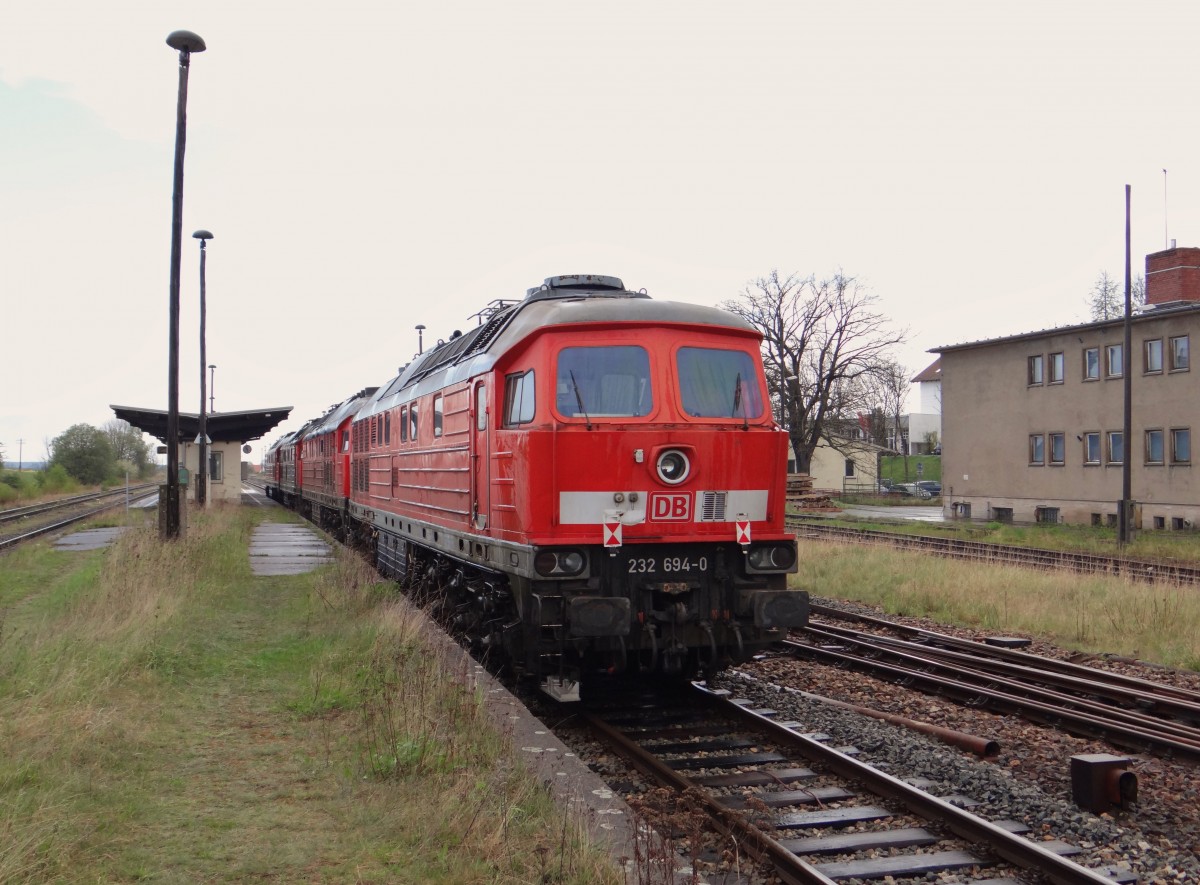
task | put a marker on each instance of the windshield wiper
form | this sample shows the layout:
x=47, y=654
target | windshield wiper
x=737, y=401
x=579, y=400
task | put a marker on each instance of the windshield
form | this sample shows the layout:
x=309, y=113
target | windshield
x=603, y=382
x=718, y=383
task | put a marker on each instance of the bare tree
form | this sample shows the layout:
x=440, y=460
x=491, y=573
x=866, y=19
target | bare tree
x=820, y=339
x=887, y=385
x=1107, y=298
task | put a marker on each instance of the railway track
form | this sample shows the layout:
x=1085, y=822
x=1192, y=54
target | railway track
x=782, y=793
x=1137, y=714
x=22, y=524
x=1006, y=554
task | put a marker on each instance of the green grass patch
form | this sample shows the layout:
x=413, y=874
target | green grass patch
x=1095, y=614
x=168, y=716
x=1177, y=546
x=899, y=469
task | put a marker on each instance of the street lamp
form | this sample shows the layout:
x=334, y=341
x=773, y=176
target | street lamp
x=420, y=339
x=202, y=437
x=187, y=43
x=212, y=387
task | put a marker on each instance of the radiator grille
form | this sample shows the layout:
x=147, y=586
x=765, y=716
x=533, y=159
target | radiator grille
x=712, y=506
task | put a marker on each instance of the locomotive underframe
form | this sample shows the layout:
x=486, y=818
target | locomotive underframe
x=618, y=614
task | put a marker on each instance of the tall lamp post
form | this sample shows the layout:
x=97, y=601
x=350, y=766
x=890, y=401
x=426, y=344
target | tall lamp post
x=187, y=43
x=420, y=338
x=202, y=437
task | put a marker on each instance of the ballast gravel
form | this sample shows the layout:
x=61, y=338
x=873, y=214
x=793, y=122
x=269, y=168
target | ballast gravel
x=1157, y=839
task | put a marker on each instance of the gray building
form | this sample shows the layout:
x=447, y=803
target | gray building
x=1032, y=423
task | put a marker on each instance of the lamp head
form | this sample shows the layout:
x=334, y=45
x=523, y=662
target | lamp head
x=203, y=235
x=186, y=41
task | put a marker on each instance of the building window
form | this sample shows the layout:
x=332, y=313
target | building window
x=1177, y=523
x=412, y=422
x=1091, y=364
x=1003, y=514
x=1114, y=360
x=849, y=467
x=1056, y=368
x=216, y=466
x=1153, y=356
x=1154, y=446
x=1181, y=445
x=437, y=415
x=1116, y=447
x=1179, y=354
x=1037, y=449
x=1046, y=514
x=404, y=424
x=1160, y=522
x=1091, y=448
x=1035, y=369
x=1058, y=448
x=387, y=428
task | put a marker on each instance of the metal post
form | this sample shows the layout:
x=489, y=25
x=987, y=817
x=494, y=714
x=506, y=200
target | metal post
x=202, y=437
x=1125, y=516
x=212, y=388
x=187, y=43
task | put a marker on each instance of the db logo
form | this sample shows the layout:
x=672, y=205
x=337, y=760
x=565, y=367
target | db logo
x=666, y=507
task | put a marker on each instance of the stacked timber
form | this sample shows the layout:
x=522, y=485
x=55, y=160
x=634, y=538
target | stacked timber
x=801, y=495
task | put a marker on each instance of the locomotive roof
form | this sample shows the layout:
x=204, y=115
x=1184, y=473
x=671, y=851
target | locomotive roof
x=331, y=419
x=558, y=301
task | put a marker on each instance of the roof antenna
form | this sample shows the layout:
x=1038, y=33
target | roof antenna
x=1166, y=242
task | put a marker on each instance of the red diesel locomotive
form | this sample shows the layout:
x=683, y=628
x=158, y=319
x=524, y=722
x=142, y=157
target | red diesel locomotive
x=588, y=480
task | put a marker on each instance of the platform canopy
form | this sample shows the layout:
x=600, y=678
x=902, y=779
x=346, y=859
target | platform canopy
x=220, y=426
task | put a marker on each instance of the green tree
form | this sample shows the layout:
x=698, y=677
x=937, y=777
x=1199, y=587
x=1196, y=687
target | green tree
x=128, y=446
x=84, y=452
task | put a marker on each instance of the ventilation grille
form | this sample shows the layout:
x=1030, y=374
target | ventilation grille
x=712, y=506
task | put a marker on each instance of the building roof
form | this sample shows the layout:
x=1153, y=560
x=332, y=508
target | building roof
x=932, y=372
x=1145, y=315
x=219, y=426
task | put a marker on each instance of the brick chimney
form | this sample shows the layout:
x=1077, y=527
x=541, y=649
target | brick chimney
x=1173, y=275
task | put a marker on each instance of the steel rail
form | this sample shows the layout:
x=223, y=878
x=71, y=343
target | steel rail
x=990, y=681
x=6, y=543
x=956, y=548
x=790, y=867
x=1029, y=672
x=1009, y=846
x=48, y=506
x=995, y=652
x=1059, y=716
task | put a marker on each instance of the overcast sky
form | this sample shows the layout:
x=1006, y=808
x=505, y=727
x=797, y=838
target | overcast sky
x=378, y=164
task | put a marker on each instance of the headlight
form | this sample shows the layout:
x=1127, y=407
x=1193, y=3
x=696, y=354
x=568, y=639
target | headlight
x=673, y=467
x=564, y=563
x=772, y=557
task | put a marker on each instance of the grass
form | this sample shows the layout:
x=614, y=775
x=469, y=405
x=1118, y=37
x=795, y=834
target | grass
x=169, y=717
x=1093, y=614
x=1174, y=546
x=893, y=467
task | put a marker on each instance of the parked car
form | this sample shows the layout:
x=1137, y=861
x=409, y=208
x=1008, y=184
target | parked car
x=912, y=490
x=932, y=486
